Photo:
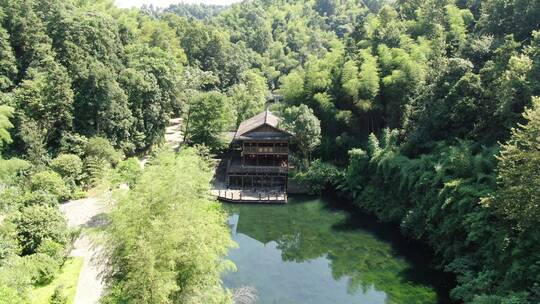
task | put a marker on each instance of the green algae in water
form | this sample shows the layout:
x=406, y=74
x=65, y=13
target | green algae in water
x=309, y=252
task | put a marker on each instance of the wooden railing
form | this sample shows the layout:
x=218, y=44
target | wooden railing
x=248, y=196
x=257, y=169
x=266, y=150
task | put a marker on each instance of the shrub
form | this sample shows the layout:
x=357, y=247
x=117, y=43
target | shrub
x=69, y=166
x=10, y=199
x=53, y=249
x=127, y=171
x=318, y=176
x=95, y=169
x=12, y=169
x=37, y=223
x=59, y=296
x=39, y=197
x=42, y=267
x=9, y=295
x=17, y=273
x=73, y=144
x=8, y=241
x=101, y=148
x=50, y=181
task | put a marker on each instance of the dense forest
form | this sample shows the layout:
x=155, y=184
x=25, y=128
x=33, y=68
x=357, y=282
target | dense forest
x=421, y=112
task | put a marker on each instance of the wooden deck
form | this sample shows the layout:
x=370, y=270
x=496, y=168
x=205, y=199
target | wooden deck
x=250, y=196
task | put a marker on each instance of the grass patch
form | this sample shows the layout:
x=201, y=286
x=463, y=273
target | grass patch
x=68, y=277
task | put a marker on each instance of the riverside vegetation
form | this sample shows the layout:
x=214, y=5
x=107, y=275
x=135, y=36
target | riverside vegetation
x=420, y=112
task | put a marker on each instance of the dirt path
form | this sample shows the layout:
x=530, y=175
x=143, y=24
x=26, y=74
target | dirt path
x=87, y=213
x=173, y=133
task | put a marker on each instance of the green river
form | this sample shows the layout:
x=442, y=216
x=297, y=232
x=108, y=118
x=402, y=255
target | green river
x=312, y=252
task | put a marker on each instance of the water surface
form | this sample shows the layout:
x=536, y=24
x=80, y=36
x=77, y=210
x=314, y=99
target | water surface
x=310, y=252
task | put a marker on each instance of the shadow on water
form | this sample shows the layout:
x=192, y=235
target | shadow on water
x=318, y=250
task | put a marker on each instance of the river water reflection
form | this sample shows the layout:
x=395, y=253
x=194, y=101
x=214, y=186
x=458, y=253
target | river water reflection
x=309, y=251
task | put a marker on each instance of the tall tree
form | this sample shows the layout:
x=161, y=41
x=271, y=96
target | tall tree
x=8, y=64
x=6, y=113
x=45, y=97
x=168, y=246
x=207, y=116
x=306, y=128
x=249, y=96
x=101, y=106
x=518, y=197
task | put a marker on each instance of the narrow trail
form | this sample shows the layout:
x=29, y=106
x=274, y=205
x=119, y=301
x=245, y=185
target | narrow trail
x=91, y=212
x=173, y=133
x=87, y=213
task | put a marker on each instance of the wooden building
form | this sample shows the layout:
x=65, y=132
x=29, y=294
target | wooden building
x=259, y=156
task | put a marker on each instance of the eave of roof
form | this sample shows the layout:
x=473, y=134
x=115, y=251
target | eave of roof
x=263, y=118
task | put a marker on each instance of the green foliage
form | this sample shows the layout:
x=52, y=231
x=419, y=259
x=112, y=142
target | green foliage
x=292, y=86
x=69, y=166
x=127, y=171
x=101, y=148
x=441, y=74
x=50, y=182
x=12, y=170
x=151, y=84
x=516, y=202
x=37, y=223
x=45, y=98
x=318, y=176
x=436, y=198
x=53, y=249
x=249, y=97
x=167, y=239
x=500, y=17
x=8, y=64
x=304, y=125
x=95, y=169
x=6, y=113
x=207, y=117
x=8, y=242
x=9, y=295
x=42, y=267
x=39, y=197
x=59, y=296
x=518, y=195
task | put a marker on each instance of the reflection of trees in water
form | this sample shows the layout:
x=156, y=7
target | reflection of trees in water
x=306, y=231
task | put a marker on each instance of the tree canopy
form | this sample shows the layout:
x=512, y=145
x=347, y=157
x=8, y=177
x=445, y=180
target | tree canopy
x=421, y=112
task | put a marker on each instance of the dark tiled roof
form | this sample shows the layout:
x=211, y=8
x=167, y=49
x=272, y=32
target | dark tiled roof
x=264, y=118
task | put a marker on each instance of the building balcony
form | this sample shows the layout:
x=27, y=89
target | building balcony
x=243, y=169
x=266, y=150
